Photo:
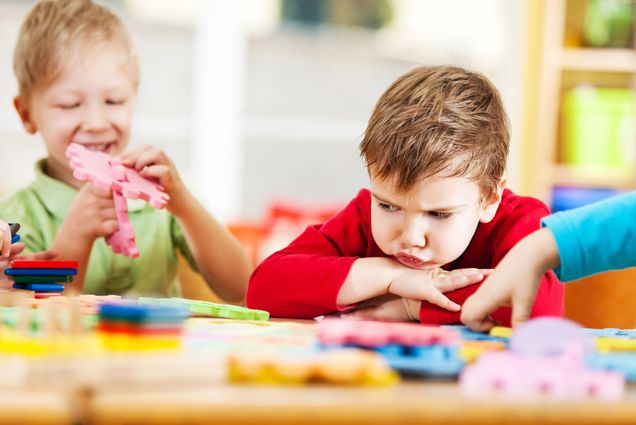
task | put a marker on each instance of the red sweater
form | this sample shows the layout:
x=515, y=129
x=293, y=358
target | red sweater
x=303, y=280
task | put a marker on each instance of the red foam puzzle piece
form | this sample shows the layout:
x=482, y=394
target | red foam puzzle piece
x=43, y=264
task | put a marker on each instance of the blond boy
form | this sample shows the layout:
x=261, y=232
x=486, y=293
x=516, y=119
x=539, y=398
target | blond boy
x=78, y=75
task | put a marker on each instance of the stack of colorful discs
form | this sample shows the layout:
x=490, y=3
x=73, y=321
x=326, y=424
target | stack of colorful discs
x=14, y=232
x=45, y=277
x=129, y=326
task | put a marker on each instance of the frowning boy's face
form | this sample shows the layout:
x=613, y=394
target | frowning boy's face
x=430, y=225
x=90, y=103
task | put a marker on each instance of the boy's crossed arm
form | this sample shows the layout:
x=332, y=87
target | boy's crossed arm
x=373, y=277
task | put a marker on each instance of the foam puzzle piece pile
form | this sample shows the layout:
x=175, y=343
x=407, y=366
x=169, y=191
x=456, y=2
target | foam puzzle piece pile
x=546, y=356
x=407, y=347
x=346, y=367
x=207, y=308
x=108, y=173
x=130, y=326
x=45, y=277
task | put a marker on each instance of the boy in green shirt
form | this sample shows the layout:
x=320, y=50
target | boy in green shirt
x=78, y=76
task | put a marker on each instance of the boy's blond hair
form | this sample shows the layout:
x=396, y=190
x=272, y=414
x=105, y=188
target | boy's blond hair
x=438, y=121
x=54, y=30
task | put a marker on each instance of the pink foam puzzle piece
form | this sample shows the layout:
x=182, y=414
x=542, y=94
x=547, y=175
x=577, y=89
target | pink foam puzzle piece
x=90, y=166
x=563, y=376
x=135, y=186
x=109, y=173
x=123, y=240
x=376, y=334
x=545, y=336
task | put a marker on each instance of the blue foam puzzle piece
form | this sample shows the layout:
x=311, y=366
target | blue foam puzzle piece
x=612, y=333
x=624, y=363
x=15, y=238
x=40, y=272
x=40, y=287
x=468, y=334
x=142, y=313
x=439, y=361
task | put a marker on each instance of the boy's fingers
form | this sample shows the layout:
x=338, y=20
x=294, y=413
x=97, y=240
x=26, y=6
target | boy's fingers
x=156, y=171
x=16, y=249
x=439, y=299
x=457, y=281
x=149, y=156
x=43, y=255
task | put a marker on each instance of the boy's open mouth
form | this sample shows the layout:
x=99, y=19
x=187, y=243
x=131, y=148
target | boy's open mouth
x=100, y=147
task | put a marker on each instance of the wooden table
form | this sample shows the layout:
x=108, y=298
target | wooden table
x=410, y=402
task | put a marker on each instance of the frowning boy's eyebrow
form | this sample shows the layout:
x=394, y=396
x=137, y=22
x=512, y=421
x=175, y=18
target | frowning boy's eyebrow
x=436, y=208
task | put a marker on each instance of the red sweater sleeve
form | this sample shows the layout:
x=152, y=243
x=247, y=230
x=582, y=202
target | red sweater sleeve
x=303, y=280
x=516, y=218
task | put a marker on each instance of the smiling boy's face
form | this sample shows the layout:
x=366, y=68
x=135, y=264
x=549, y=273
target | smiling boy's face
x=90, y=103
x=432, y=224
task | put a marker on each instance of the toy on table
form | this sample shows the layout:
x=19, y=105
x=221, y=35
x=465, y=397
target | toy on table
x=108, y=173
x=408, y=347
x=346, y=366
x=130, y=326
x=45, y=277
x=14, y=227
x=207, y=308
x=547, y=356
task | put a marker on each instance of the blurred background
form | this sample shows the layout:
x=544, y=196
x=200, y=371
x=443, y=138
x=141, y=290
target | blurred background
x=262, y=103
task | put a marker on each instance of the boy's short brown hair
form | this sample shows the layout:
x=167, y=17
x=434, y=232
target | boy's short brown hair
x=438, y=121
x=53, y=28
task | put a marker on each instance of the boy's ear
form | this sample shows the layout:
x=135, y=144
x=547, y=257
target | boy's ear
x=489, y=206
x=25, y=115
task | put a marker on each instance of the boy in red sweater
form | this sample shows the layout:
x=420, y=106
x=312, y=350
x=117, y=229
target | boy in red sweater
x=436, y=219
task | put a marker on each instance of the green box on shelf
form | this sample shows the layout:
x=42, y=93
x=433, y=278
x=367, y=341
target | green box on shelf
x=599, y=127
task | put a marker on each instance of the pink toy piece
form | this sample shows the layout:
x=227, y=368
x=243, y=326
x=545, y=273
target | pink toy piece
x=547, y=336
x=563, y=376
x=137, y=187
x=123, y=240
x=108, y=173
x=90, y=166
x=369, y=333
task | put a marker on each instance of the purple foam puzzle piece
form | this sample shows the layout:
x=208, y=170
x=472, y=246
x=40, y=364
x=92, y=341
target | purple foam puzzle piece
x=547, y=336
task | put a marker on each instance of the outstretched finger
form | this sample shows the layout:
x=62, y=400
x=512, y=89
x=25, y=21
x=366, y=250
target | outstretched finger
x=5, y=241
x=441, y=300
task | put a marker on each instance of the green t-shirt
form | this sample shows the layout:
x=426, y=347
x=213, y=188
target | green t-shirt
x=40, y=209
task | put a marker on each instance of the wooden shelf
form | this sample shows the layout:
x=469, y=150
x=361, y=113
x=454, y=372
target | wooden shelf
x=616, y=178
x=602, y=60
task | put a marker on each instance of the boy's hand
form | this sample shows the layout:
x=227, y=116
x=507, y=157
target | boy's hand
x=153, y=163
x=5, y=239
x=390, y=308
x=91, y=215
x=16, y=249
x=430, y=284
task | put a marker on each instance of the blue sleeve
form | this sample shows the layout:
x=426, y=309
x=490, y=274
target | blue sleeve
x=595, y=238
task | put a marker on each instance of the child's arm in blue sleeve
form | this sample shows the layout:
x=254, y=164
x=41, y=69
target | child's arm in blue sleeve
x=595, y=238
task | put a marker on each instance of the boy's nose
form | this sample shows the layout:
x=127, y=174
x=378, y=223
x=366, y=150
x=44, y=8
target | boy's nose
x=413, y=234
x=96, y=118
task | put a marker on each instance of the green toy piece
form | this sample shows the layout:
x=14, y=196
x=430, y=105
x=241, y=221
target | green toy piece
x=207, y=308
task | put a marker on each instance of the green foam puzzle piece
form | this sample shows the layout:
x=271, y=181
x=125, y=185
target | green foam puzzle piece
x=207, y=308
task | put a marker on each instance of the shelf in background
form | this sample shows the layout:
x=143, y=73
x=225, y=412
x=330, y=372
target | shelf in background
x=607, y=60
x=616, y=178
